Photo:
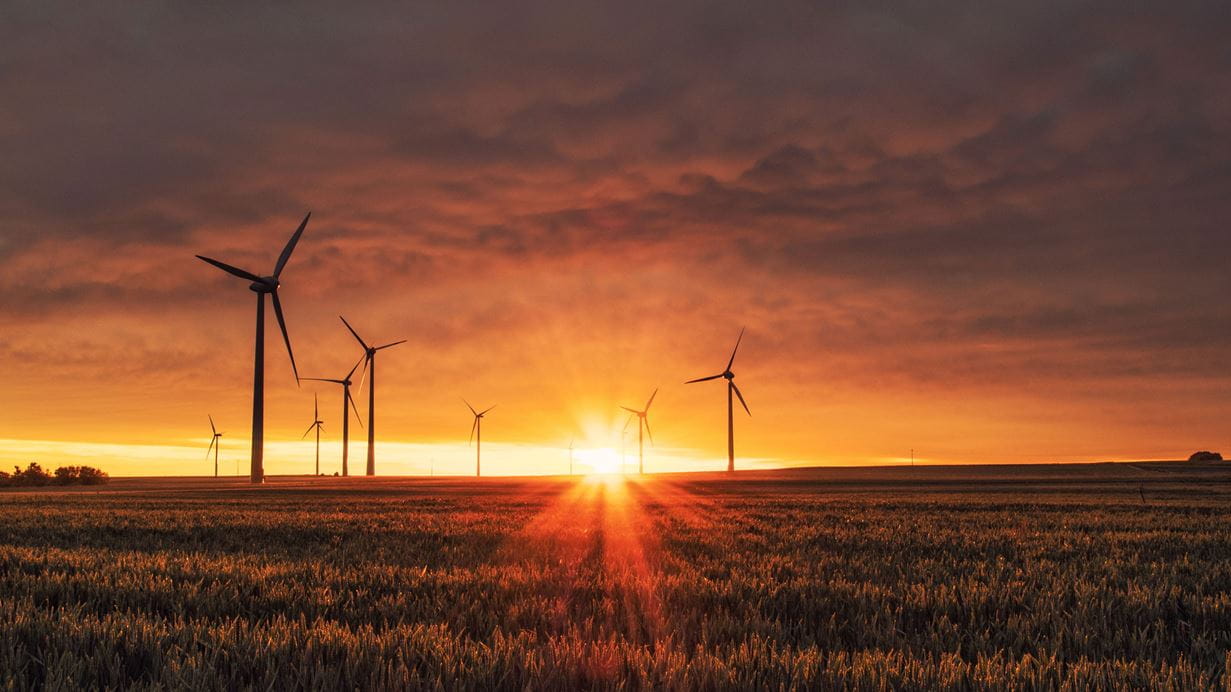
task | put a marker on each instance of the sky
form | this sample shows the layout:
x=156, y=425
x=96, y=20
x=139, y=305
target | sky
x=984, y=231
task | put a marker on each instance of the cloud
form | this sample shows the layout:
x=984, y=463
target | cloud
x=974, y=200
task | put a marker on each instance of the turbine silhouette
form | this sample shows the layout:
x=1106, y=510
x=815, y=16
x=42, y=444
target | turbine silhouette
x=730, y=377
x=214, y=444
x=316, y=423
x=570, y=456
x=643, y=421
x=262, y=285
x=476, y=436
x=346, y=383
x=369, y=364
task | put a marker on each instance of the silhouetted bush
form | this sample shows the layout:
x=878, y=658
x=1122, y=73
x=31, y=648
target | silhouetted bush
x=34, y=475
x=1205, y=457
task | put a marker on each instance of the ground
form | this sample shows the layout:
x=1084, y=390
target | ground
x=1106, y=575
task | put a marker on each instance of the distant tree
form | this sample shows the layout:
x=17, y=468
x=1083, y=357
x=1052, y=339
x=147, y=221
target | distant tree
x=1205, y=457
x=88, y=475
x=66, y=475
x=32, y=475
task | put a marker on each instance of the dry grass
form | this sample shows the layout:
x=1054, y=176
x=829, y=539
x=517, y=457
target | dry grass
x=969, y=579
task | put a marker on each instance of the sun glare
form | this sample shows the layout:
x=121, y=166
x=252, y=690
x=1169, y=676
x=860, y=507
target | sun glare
x=600, y=461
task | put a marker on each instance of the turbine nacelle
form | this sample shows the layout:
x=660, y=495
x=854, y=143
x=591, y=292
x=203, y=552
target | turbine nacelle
x=267, y=284
x=729, y=375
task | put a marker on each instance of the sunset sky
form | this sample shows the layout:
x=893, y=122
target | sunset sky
x=987, y=231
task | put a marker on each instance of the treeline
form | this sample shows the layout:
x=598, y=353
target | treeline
x=34, y=475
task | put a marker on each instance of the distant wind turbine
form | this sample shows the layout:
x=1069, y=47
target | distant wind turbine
x=346, y=383
x=316, y=423
x=570, y=456
x=214, y=444
x=369, y=370
x=262, y=285
x=476, y=436
x=643, y=421
x=730, y=377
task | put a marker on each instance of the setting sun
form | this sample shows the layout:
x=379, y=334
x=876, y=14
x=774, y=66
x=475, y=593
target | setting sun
x=600, y=461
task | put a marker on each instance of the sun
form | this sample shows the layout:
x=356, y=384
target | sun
x=601, y=461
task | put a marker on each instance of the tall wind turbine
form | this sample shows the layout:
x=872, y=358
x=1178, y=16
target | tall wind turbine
x=730, y=377
x=316, y=423
x=214, y=444
x=346, y=383
x=643, y=422
x=262, y=285
x=476, y=435
x=369, y=370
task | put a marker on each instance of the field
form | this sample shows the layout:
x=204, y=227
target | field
x=1097, y=575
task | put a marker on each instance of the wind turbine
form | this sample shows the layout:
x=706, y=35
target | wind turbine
x=642, y=422
x=316, y=423
x=214, y=444
x=346, y=383
x=476, y=435
x=730, y=377
x=262, y=285
x=570, y=455
x=369, y=365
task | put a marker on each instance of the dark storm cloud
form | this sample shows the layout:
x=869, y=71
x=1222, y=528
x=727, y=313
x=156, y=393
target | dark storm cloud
x=983, y=172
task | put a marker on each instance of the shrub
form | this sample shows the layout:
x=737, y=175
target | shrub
x=32, y=475
x=1204, y=456
x=88, y=475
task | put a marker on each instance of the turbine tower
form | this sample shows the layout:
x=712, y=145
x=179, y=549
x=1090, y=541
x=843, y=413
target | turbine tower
x=369, y=364
x=570, y=456
x=476, y=436
x=730, y=377
x=346, y=383
x=316, y=423
x=262, y=285
x=642, y=422
x=214, y=444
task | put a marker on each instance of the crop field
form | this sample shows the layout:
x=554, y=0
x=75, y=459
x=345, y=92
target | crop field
x=1099, y=575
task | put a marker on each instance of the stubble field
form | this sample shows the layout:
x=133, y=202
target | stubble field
x=1111, y=576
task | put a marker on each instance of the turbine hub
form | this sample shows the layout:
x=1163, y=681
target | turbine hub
x=729, y=375
x=267, y=284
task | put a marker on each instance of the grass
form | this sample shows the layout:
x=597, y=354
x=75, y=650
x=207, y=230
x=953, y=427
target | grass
x=974, y=578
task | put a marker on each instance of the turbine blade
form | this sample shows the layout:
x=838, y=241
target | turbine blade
x=469, y=406
x=741, y=398
x=364, y=374
x=316, y=406
x=647, y=430
x=630, y=410
x=285, y=337
x=358, y=418
x=322, y=379
x=211, y=446
x=704, y=379
x=290, y=246
x=352, y=370
x=628, y=422
x=647, y=404
x=352, y=331
x=211, y=424
x=305, y=433
x=488, y=409
x=741, y=338
x=473, y=425
x=235, y=271
x=392, y=344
